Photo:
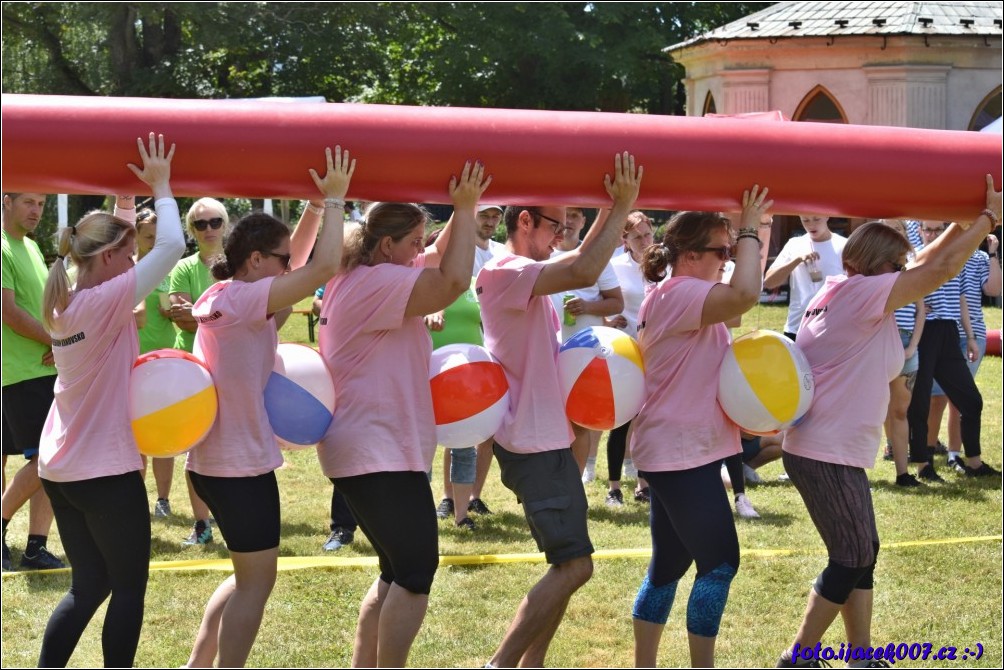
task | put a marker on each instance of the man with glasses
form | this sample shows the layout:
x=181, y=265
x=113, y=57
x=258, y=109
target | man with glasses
x=805, y=262
x=941, y=359
x=532, y=446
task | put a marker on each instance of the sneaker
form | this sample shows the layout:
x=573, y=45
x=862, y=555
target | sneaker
x=744, y=507
x=8, y=563
x=957, y=465
x=928, y=474
x=203, y=536
x=615, y=498
x=589, y=474
x=752, y=477
x=478, y=506
x=642, y=496
x=162, y=508
x=339, y=538
x=445, y=508
x=906, y=480
x=43, y=560
x=983, y=471
x=467, y=524
x=940, y=449
x=785, y=662
x=783, y=477
x=629, y=469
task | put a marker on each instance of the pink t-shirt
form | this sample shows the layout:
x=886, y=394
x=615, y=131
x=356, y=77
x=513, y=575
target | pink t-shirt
x=237, y=340
x=855, y=350
x=521, y=330
x=88, y=431
x=379, y=361
x=681, y=425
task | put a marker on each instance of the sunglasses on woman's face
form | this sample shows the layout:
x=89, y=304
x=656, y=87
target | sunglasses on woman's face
x=201, y=224
x=723, y=253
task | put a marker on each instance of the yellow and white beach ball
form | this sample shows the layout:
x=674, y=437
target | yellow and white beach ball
x=172, y=402
x=602, y=377
x=765, y=384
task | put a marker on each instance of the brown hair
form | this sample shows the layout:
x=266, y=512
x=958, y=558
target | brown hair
x=872, y=245
x=255, y=232
x=382, y=219
x=686, y=231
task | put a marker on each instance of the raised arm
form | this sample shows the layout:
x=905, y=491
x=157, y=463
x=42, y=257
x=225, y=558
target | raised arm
x=582, y=267
x=943, y=259
x=169, y=244
x=438, y=287
x=294, y=286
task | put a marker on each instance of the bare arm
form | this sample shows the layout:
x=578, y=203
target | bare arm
x=611, y=302
x=582, y=267
x=20, y=321
x=992, y=286
x=943, y=259
x=918, y=329
x=305, y=234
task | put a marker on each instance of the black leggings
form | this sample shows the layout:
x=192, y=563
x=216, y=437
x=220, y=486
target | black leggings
x=616, y=447
x=941, y=359
x=104, y=524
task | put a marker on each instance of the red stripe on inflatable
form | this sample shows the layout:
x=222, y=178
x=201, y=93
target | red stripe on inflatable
x=263, y=149
x=466, y=390
x=591, y=401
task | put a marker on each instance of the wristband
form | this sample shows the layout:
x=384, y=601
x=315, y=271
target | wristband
x=313, y=209
x=994, y=219
x=334, y=202
x=745, y=235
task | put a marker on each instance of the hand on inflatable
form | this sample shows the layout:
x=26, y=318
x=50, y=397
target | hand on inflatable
x=466, y=191
x=623, y=188
x=755, y=207
x=993, y=197
x=156, y=170
x=335, y=183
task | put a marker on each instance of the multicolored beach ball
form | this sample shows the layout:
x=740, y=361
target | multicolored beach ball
x=172, y=402
x=299, y=396
x=470, y=395
x=765, y=384
x=602, y=377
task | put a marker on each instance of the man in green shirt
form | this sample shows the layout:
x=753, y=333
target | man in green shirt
x=28, y=375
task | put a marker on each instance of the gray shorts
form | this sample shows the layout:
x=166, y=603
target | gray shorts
x=550, y=489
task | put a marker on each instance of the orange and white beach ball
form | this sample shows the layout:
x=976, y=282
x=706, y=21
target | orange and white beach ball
x=470, y=395
x=602, y=377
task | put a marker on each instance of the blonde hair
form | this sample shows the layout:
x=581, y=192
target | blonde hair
x=211, y=204
x=382, y=219
x=90, y=237
x=872, y=245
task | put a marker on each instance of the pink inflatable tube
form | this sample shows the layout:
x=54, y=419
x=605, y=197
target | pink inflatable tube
x=56, y=144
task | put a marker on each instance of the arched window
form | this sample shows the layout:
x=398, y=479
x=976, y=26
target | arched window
x=821, y=107
x=988, y=111
x=709, y=105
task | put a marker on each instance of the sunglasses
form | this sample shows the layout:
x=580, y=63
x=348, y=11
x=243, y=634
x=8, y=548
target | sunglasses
x=896, y=267
x=558, y=226
x=723, y=253
x=282, y=257
x=201, y=224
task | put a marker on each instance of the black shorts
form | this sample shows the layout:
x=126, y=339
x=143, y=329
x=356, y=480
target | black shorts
x=245, y=508
x=25, y=407
x=550, y=489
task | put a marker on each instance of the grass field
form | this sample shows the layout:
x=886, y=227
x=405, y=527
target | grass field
x=938, y=578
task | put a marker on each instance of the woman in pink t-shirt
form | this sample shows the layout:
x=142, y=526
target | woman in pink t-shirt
x=383, y=437
x=233, y=469
x=88, y=461
x=681, y=434
x=850, y=338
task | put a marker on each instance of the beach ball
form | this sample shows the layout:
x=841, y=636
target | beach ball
x=172, y=402
x=470, y=395
x=602, y=377
x=765, y=384
x=299, y=396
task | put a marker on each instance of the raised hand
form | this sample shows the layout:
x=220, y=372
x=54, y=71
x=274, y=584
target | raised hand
x=335, y=183
x=624, y=186
x=755, y=206
x=467, y=190
x=993, y=197
x=156, y=170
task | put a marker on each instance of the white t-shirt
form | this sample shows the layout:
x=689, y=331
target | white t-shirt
x=802, y=287
x=482, y=256
x=607, y=281
x=632, y=283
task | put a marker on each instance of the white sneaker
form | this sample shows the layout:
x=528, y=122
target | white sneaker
x=725, y=477
x=629, y=469
x=751, y=475
x=744, y=507
x=589, y=474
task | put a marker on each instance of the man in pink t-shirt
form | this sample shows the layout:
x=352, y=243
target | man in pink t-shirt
x=533, y=444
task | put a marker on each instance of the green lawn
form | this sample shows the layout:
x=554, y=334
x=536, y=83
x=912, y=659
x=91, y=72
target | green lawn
x=934, y=581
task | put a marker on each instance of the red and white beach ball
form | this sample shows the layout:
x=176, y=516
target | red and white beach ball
x=172, y=402
x=602, y=377
x=470, y=395
x=765, y=384
x=299, y=396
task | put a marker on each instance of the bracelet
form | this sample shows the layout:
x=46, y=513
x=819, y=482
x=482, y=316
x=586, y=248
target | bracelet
x=749, y=236
x=994, y=219
x=334, y=202
x=314, y=209
x=746, y=231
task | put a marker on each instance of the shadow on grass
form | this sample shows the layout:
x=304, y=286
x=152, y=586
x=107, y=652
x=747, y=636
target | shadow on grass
x=976, y=490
